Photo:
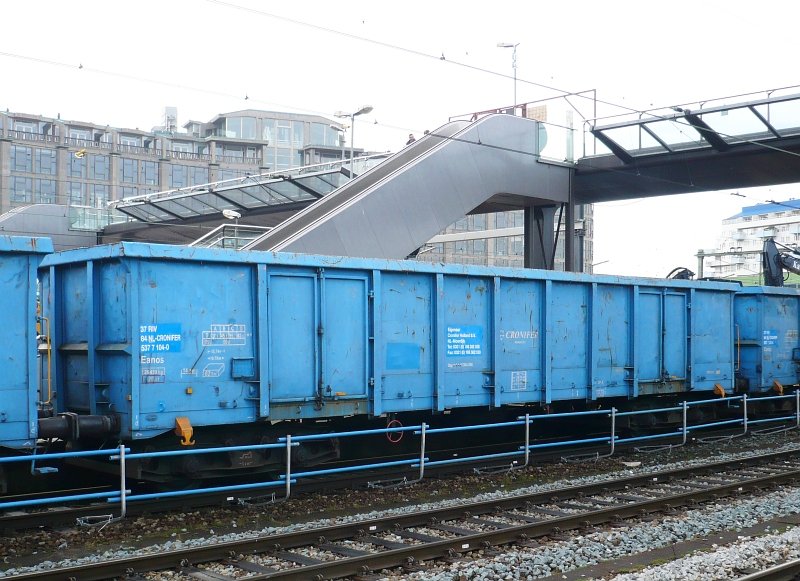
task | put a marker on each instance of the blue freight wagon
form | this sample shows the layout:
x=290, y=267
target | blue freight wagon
x=19, y=380
x=767, y=342
x=174, y=338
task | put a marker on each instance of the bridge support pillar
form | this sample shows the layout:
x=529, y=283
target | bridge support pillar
x=539, y=229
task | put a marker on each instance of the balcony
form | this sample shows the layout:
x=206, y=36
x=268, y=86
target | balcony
x=87, y=143
x=767, y=233
x=138, y=150
x=240, y=160
x=28, y=136
x=187, y=155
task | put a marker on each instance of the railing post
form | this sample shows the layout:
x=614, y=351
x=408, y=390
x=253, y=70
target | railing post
x=797, y=408
x=744, y=407
x=123, y=499
x=685, y=426
x=422, y=450
x=613, y=430
x=527, y=438
x=288, y=465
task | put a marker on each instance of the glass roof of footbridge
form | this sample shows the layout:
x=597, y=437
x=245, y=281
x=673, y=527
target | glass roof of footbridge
x=272, y=190
x=716, y=128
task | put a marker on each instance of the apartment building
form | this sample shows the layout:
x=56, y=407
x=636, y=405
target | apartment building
x=47, y=160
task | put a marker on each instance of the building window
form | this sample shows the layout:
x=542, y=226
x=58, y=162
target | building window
x=501, y=246
x=83, y=134
x=77, y=167
x=128, y=192
x=129, y=171
x=185, y=147
x=298, y=128
x=26, y=127
x=130, y=140
x=21, y=158
x=317, y=134
x=76, y=194
x=248, y=128
x=198, y=175
x=178, y=177
x=99, y=167
x=333, y=137
x=21, y=189
x=98, y=195
x=268, y=131
x=283, y=158
x=46, y=191
x=240, y=127
x=234, y=152
x=231, y=174
x=46, y=162
x=150, y=173
x=478, y=222
x=283, y=132
x=268, y=158
x=461, y=225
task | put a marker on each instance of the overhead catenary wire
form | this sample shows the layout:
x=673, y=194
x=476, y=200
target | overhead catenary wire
x=204, y=90
x=407, y=50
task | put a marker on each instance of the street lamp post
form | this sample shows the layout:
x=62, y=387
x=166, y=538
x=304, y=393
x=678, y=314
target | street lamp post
x=363, y=111
x=513, y=45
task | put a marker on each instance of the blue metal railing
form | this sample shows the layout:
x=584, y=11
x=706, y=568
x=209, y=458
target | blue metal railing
x=419, y=461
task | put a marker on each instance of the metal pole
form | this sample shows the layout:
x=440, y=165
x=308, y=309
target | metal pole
x=685, y=427
x=797, y=408
x=422, y=451
x=288, y=465
x=744, y=406
x=613, y=430
x=122, y=481
x=527, y=438
x=352, y=143
x=514, y=66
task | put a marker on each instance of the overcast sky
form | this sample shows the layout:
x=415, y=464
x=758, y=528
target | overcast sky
x=121, y=63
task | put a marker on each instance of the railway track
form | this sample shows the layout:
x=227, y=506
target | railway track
x=789, y=571
x=360, y=548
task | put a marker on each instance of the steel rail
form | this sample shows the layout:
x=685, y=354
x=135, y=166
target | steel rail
x=788, y=571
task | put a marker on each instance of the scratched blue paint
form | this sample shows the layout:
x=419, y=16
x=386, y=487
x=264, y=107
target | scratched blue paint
x=19, y=259
x=767, y=338
x=313, y=337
